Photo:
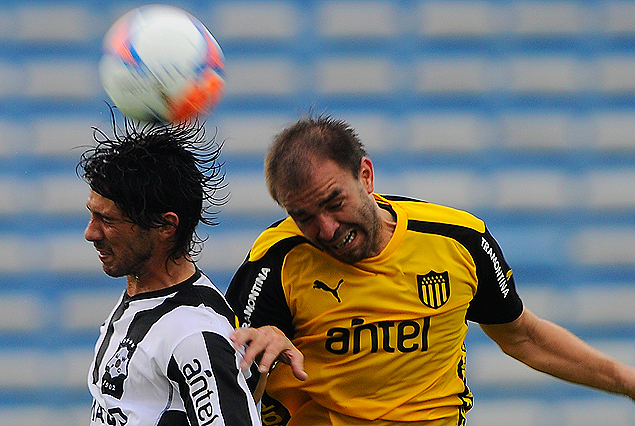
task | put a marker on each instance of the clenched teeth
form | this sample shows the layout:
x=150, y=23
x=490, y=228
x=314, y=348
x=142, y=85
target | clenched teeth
x=347, y=240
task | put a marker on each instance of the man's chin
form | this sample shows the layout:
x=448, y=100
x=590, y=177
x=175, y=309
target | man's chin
x=112, y=272
x=348, y=257
x=352, y=254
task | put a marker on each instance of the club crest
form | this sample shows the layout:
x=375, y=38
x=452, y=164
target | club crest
x=117, y=370
x=434, y=289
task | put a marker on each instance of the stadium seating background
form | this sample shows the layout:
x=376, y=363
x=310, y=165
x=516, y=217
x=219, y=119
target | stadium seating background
x=522, y=112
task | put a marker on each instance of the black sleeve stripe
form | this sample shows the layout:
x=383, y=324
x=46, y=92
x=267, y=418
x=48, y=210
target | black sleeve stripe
x=492, y=304
x=173, y=418
x=214, y=300
x=175, y=374
x=255, y=292
x=232, y=398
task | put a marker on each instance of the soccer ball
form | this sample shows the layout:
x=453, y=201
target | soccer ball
x=161, y=64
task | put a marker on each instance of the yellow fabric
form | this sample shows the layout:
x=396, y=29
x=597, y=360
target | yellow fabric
x=378, y=354
x=314, y=414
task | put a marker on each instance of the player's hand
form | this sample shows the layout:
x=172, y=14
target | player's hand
x=271, y=345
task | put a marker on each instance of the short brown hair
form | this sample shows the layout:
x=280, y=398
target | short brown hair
x=289, y=158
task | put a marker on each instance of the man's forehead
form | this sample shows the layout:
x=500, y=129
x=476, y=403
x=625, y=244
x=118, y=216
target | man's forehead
x=101, y=204
x=299, y=205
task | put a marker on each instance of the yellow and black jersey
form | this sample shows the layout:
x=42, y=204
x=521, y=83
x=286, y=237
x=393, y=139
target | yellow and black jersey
x=383, y=339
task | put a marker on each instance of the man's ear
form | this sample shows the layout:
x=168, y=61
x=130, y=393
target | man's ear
x=367, y=175
x=169, y=230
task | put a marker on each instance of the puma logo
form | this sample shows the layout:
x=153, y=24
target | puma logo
x=321, y=286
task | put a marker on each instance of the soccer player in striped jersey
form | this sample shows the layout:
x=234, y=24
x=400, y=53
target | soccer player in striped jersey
x=367, y=297
x=163, y=356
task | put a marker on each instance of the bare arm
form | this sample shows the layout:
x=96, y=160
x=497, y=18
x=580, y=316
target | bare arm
x=551, y=349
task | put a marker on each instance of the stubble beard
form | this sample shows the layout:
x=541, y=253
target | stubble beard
x=133, y=262
x=369, y=227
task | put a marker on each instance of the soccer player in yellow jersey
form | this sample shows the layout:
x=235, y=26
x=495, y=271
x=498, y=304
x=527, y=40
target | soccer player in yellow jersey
x=367, y=297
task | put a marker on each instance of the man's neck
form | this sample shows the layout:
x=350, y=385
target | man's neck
x=388, y=226
x=159, y=278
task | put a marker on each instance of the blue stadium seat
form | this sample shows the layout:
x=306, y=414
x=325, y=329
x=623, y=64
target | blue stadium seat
x=256, y=22
x=357, y=19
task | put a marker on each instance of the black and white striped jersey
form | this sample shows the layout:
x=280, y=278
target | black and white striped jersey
x=165, y=358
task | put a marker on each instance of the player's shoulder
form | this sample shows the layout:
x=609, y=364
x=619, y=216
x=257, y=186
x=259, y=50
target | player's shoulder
x=426, y=212
x=188, y=319
x=197, y=303
x=280, y=237
x=186, y=327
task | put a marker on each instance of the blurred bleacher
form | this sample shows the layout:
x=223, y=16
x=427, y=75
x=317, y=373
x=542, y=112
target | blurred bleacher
x=522, y=112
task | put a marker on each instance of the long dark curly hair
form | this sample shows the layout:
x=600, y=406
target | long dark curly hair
x=149, y=169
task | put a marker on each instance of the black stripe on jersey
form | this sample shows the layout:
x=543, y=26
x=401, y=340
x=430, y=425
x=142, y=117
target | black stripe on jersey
x=123, y=305
x=233, y=400
x=459, y=233
x=276, y=223
x=213, y=299
x=231, y=397
x=186, y=295
x=388, y=208
x=401, y=198
x=173, y=418
x=175, y=374
x=488, y=306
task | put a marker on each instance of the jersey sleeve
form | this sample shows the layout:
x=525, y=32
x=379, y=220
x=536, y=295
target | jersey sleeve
x=256, y=293
x=213, y=389
x=496, y=300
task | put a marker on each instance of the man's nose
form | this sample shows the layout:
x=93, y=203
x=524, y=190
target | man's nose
x=327, y=227
x=92, y=231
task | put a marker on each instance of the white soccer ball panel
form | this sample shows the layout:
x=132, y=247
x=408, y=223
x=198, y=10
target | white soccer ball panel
x=134, y=94
x=161, y=64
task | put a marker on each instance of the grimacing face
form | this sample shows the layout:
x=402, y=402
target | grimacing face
x=337, y=212
x=124, y=248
